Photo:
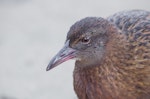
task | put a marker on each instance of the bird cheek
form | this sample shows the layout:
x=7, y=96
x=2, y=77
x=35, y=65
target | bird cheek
x=101, y=43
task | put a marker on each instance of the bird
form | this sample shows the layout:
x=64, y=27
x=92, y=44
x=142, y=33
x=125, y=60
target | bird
x=112, y=56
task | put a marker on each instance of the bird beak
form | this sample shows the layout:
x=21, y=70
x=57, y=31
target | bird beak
x=63, y=55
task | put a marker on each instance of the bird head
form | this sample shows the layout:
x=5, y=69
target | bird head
x=86, y=42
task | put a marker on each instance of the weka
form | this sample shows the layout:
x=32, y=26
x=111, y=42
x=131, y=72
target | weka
x=112, y=56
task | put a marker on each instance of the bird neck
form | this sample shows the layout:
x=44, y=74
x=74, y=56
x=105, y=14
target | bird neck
x=114, y=76
x=106, y=75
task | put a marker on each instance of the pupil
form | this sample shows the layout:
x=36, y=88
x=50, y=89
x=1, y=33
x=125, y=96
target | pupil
x=85, y=40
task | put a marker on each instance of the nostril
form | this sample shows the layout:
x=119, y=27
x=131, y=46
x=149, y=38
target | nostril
x=67, y=53
x=62, y=55
x=71, y=52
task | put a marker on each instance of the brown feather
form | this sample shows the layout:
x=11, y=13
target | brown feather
x=124, y=72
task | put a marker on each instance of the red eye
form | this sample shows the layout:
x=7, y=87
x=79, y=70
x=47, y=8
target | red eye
x=85, y=40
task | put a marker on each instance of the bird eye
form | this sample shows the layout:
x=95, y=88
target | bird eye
x=85, y=40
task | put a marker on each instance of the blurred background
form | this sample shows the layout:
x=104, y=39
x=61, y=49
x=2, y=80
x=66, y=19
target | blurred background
x=32, y=32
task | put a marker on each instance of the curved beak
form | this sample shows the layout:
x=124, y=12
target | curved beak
x=63, y=55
